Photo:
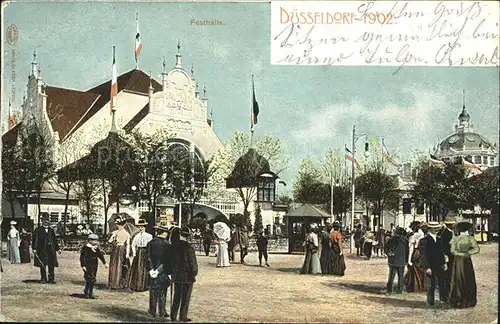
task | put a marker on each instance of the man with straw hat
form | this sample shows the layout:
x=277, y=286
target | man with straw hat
x=138, y=277
x=159, y=269
x=431, y=248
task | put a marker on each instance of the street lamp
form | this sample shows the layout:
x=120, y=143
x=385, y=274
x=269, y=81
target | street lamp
x=355, y=138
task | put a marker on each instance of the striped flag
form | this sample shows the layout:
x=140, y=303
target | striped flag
x=350, y=157
x=470, y=165
x=255, y=107
x=435, y=161
x=138, y=44
x=388, y=158
x=114, y=84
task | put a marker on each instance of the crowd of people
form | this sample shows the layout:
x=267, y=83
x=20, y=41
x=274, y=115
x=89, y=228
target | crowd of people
x=425, y=257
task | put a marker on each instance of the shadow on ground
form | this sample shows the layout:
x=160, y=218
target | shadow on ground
x=287, y=270
x=82, y=283
x=396, y=302
x=124, y=314
x=371, y=288
x=77, y=296
x=32, y=281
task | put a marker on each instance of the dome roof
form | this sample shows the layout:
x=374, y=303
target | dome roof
x=464, y=141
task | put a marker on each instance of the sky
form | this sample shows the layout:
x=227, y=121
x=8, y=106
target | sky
x=309, y=108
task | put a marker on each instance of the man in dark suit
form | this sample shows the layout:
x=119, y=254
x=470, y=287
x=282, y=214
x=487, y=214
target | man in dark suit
x=396, y=258
x=446, y=234
x=431, y=249
x=44, y=247
x=232, y=243
x=159, y=266
x=185, y=270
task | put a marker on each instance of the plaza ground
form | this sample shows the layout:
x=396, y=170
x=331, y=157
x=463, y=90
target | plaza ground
x=247, y=294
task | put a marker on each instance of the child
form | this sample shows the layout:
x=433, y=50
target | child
x=262, y=243
x=88, y=261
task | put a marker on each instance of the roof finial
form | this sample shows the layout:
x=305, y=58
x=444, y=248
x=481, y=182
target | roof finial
x=463, y=99
x=192, y=71
x=178, y=56
x=34, y=54
x=178, y=47
x=150, y=80
x=164, y=65
x=204, y=91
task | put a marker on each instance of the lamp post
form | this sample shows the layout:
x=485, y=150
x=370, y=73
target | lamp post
x=355, y=138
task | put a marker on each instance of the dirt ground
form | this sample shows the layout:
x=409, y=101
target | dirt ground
x=247, y=294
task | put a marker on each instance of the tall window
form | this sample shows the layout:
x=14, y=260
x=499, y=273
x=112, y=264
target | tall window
x=492, y=160
x=477, y=159
x=265, y=191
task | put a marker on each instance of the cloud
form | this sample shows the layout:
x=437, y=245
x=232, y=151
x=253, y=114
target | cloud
x=425, y=121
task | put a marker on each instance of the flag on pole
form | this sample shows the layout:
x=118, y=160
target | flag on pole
x=255, y=107
x=388, y=158
x=435, y=161
x=138, y=44
x=350, y=157
x=12, y=120
x=114, y=84
x=470, y=165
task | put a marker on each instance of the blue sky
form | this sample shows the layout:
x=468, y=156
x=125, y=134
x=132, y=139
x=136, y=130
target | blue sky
x=311, y=109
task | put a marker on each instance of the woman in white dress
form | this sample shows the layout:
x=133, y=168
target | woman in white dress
x=14, y=242
x=222, y=254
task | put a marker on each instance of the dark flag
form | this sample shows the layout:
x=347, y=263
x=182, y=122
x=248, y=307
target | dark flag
x=255, y=107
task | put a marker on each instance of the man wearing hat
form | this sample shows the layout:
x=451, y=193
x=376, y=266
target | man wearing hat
x=446, y=234
x=185, y=270
x=138, y=277
x=89, y=256
x=44, y=247
x=431, y=248
x=159, y=268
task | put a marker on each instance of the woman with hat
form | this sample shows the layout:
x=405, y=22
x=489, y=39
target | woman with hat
x=311, y=264
x=337, y=257
x=14, y=242
x=138, y=278
x=118, y=260
x=25, y=246
x=463, y=291
x=414, y=278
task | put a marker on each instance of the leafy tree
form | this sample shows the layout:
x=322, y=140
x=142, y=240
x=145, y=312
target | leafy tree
x=87, y=191
x=237, y=219
x=308, y=187
x=377, y=188
x=258, y=226
x=248, y=221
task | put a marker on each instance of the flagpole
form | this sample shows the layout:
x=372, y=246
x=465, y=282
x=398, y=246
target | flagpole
x=135, y=45
x=252, y=130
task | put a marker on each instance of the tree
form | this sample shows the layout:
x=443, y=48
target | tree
x=71, y=151
x=87, y=191
x=334, y=172
x=269, y=148
x=482, y=190
x=308, y=187
x=258, y=226
x=377, y=188
x=37, y=147
x=12, y=169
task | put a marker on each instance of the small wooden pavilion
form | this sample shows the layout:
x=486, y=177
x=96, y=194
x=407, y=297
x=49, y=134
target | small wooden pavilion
x=298, y=220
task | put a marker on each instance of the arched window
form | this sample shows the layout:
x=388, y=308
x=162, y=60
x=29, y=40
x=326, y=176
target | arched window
x=182, y=147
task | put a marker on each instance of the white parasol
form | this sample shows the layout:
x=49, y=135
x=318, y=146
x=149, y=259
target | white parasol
x=222, y=231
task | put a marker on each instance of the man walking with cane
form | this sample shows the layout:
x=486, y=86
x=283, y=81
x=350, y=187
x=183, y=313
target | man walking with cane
x=44, y=247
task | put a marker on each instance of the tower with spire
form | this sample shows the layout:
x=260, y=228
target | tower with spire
x=178, y=56
x=464, y=125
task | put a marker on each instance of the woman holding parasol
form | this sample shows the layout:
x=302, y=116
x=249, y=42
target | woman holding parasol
x=222, y=231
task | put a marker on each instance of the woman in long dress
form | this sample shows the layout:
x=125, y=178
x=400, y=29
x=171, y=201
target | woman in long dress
x=118, y=261
x=311, y=262
x=368, y=243
x=222, y=254
x=414, y=278
x=25, y=246
x=14, y=242
x=325, y=259
x=138, y=276
x=337, y=257
x=463, y=292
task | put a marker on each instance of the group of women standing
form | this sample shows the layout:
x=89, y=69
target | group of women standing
x=124, y=273
x=463, y=288
x=327, y=257
x=18, y=244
